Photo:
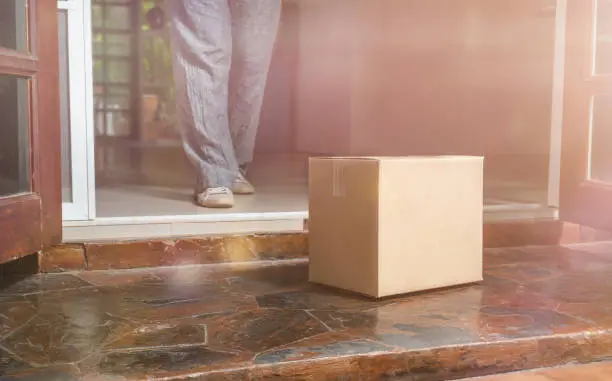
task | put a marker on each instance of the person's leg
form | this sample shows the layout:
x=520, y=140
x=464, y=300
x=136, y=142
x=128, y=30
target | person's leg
x=201, y=31
x=254, y=27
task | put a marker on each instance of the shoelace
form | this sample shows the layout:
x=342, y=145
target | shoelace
x=216, y=191
x=240, y=179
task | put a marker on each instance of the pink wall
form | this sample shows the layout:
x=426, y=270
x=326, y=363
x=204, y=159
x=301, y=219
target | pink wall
x=396, y=77
x=276, y=131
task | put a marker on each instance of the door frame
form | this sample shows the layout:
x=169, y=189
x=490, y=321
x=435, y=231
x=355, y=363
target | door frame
x=556, y=119
x=31, y=221
x=583, y=201
x=548, y=208
x=80, y=90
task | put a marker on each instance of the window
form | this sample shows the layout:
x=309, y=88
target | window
x=114, y=67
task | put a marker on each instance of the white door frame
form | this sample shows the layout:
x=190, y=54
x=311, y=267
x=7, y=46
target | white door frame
x=556, y=130
x=80, y=86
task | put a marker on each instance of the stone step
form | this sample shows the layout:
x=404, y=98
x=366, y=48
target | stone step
x=128, y=254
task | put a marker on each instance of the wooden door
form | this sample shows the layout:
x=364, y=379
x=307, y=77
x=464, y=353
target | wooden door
x=30, y=189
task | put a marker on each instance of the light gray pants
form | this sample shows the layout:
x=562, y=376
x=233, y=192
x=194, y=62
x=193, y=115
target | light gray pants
x=219, y=108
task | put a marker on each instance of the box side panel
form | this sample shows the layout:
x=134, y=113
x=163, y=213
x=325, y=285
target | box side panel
x=342, y=225
x=431, y=218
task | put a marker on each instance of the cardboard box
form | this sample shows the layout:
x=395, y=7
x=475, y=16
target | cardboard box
x=383, y=226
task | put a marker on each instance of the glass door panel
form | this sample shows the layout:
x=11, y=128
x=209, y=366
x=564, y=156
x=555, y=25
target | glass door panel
x=600, y=160
x=13, y=25
x=14, y=135
x=603, y=37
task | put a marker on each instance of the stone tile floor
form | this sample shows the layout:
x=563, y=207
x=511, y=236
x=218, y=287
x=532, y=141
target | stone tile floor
x=591, y=372
x=538, y=306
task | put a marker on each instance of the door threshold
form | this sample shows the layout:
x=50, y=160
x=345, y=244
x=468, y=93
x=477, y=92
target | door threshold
x=189, y=218
x=147, y=227
x=155, y=227
x=508, y=213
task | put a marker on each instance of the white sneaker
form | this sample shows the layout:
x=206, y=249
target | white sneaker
x=242, y=186
x=220, y=197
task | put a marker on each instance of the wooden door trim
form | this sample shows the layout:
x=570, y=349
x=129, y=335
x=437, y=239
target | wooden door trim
x=16, y=63
x=578, y=82
x=46, y=166
x=20, y=218
x=19, y=197
x=578, y=74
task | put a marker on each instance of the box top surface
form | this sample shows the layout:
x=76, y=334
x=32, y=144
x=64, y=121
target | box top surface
x=399, y=158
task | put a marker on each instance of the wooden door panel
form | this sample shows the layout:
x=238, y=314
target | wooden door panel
x=585, y=198
x=30, y=212
x=20, y=218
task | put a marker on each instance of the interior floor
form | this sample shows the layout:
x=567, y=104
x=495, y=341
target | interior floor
x=280, y=182
x=142, y=182
x=537, y=307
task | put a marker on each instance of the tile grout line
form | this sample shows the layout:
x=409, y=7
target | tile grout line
x=309, y=313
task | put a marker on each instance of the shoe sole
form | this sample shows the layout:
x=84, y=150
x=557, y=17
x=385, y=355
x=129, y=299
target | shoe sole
x=212, y=206
x=216, y=206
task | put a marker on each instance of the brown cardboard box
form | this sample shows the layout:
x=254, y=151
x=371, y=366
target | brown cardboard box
x=383, y=226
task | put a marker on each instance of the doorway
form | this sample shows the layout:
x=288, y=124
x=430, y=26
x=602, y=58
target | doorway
x=141, y=170
x=139, y=184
